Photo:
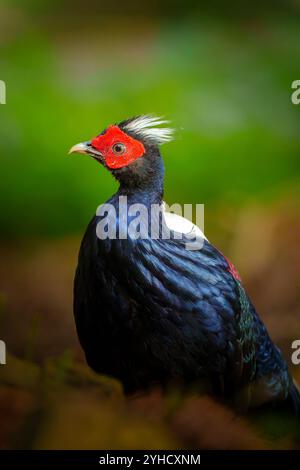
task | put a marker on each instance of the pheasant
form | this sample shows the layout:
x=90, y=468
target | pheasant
x=150, y=311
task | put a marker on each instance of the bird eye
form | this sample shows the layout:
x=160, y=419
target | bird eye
x=119, y=148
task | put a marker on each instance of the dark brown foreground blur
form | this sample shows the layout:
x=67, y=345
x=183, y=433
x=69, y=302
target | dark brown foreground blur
x=50, y=399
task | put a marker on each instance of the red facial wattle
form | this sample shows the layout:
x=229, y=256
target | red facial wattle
x=104, y=143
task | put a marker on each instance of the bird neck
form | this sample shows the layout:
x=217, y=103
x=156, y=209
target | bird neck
x=143, y=182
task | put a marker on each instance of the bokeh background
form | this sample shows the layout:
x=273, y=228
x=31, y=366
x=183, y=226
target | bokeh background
x=222, y=72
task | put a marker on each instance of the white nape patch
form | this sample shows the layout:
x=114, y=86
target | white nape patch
x=179, y=224
x=144, y=126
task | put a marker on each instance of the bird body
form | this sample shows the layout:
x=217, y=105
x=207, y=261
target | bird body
x=150, y=311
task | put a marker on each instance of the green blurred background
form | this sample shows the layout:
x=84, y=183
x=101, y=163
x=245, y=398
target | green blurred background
x=225, y=84
x=222, y=73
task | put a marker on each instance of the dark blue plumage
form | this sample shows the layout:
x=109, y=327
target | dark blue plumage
x=151, y=311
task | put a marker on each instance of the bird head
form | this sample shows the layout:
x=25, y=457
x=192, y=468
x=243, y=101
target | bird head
x=128, y=149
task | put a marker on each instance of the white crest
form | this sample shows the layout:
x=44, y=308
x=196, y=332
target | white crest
x=144, y=126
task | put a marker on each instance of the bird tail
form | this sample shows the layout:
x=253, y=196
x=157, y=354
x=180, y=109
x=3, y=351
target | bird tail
x=294, y=397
